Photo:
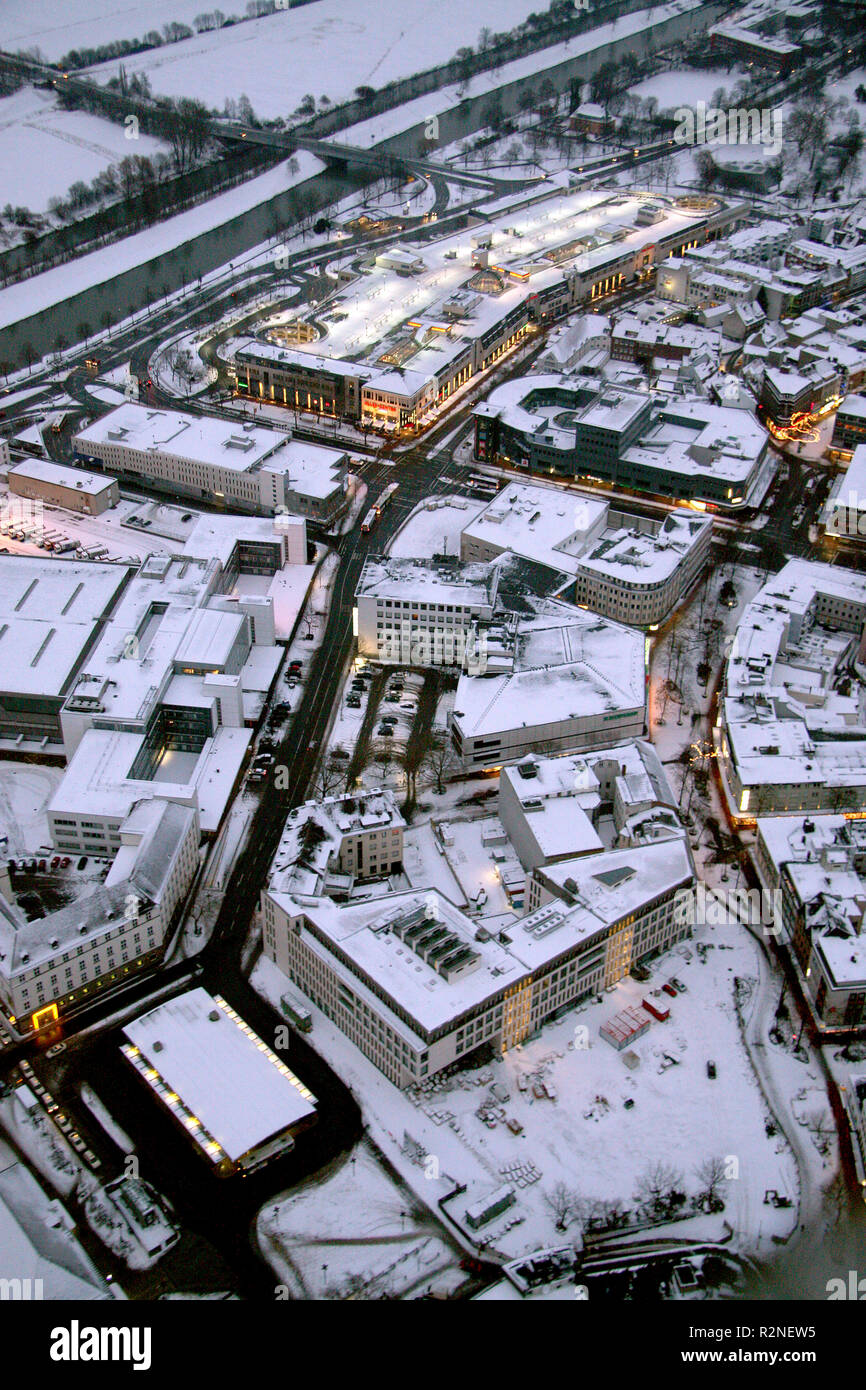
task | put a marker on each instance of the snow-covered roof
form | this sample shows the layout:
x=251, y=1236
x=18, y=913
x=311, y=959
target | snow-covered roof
x=408, y=580
x=785, y=723
x=638, y=556
x=219, y=1071
x=199, y=438
x=44, y=471
x=569, y=664
x=541, y=523
x=49, y=611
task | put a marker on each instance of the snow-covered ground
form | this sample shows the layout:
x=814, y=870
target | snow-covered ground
x=354, y=1232
x=345, y=44
x=42, y=291
x=45, y=149
x=686, y=86
x=38, y=1241
x=25, y=791
x=586, y=1138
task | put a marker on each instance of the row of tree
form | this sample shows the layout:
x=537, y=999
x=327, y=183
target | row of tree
x=172, y=32
x=659, y=1195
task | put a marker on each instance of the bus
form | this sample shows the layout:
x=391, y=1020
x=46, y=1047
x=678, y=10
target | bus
x=386, y=498
x=379, y=507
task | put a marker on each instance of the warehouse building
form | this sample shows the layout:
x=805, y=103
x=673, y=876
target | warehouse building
x=70, y=488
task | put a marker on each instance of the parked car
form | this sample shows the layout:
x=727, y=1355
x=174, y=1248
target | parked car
x=43, y=865
x=82, y=863
x=65, y=862
x=55, y=863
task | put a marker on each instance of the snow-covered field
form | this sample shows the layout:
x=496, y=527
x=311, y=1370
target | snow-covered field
x=97, y=268
x=685, y=86
x=56, y=26
x=346, y=44
x=44, y=149
x=25, y=790
x=354, y=1231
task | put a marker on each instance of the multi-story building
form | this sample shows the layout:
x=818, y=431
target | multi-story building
x=785, y=394
x=243, y=467
x=291, y=377
x=684, y=449
x=843, y=515
x=414, y=613
x=641, y=568
x=849, y=429
x=327, y=846
x=417, y=986
x=553, y=679
x=552, y=809
x=816, y=868
x=52, y=965
x=630, y=568
x=791, y=736
x=631, y=340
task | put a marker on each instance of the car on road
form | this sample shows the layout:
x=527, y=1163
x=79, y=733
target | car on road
x=385, y=731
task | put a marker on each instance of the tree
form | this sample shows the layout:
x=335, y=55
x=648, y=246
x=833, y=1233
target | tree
x=657, y=1189
x=439, y=764
x=563, y=1204
x=706, y=167
x=710, y=1174
x=603, y=83
x=331, y=776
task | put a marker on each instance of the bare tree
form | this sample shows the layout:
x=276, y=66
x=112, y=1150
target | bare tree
x=563, y=1204
x=439, y=764
x=710, y=1174
x=657, y=1188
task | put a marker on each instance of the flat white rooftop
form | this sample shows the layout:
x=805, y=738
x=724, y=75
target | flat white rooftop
x=44, y=471
x=220, y=1071
x=199, y=438
x=49, y=611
